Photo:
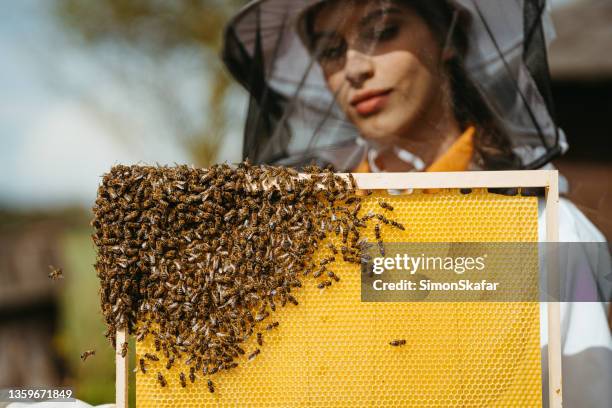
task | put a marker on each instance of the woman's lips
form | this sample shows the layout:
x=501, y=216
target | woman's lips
x=370, y=102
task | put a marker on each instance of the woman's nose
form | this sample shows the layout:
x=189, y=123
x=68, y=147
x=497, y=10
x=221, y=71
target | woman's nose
x=359, y=68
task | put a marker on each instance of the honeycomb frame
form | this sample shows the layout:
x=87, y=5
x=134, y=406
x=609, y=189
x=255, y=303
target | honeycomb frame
x=435, y=181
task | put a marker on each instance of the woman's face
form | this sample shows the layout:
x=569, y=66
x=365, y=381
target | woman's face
x=382, y=62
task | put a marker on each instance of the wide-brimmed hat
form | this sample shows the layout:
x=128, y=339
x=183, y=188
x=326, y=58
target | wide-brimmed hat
x=292, y=114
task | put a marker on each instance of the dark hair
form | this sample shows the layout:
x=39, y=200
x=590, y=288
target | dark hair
x=493, y=150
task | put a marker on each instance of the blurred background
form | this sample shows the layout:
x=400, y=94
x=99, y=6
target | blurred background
x=89, y=84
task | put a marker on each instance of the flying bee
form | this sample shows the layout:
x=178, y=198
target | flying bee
x=385, y=205
x=396, y=343
x=272, y=325
x=56, y=273
x=87, y=353
x=124, y=349
x=182, y=379
x=151, y=357
x=211, y=386
x=254, y=354
x=260, y=339
x=161, y=380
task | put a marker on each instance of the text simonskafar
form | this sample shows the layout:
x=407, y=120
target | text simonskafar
x=428, y=285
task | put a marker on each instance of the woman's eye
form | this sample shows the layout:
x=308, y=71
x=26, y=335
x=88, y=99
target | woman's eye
x=382, y=33
x=332, y=53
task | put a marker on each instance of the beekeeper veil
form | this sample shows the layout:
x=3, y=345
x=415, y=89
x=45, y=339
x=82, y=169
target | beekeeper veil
x=293, y=118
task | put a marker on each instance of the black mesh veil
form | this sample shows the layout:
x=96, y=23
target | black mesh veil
x=293, y=118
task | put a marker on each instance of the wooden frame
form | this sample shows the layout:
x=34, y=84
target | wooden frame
x=485, y=179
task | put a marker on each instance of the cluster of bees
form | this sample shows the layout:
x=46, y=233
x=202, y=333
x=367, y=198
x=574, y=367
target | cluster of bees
x=201, y=258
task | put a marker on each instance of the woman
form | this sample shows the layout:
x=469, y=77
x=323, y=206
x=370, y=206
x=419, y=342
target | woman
x=415, y=85
x=402, y=85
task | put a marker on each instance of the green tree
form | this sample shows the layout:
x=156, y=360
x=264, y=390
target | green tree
x=159, y=29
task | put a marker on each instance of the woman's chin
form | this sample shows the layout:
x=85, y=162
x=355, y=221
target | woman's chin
x=378, y=136
x=378, y=129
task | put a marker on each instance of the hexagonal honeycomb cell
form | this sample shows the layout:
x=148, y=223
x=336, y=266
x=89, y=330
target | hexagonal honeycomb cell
x=332, y=350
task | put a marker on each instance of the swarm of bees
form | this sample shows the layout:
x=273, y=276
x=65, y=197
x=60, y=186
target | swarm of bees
x=200, y=258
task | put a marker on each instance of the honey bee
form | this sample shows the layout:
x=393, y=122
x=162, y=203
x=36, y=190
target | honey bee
x=324, y=284
x=292, y=300
x=377, y=231
x=327, y=260
x=229, y=366
x=383, y=219
x=182, y=379
x=211, y=386
x=192, y=376
x=151, y=357
x=272, y=325
x=131, y=216
x=56, y=273
x=261, y=316
x=260, y=339
x=161, y=380
x=381, y=246
x=319, y=272
x=353, y=183
x=87, y=353
x=333, y=276
x=124, y=349
x=169, y=362
x=397, y=225
x=332, y=247
x=397, y=343
x=254, y=354
x=385, y=205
